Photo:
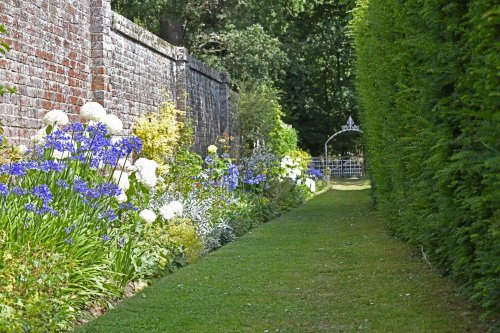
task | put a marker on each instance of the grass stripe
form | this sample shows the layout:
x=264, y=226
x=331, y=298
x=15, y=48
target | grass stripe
x=328, y=266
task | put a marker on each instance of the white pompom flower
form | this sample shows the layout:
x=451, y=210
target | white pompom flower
x=147, y=216
x=144, y=164
x=55, y=117
x=121, y=198
x=113, y=123
x=92, y=111
x=171, y=210
x=167, y=212
x=146, y=172
x=177, y=208
x=121, y=178
x=125, y=164
x=60, y=155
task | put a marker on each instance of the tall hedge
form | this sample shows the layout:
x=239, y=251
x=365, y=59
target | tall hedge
x=428, y=86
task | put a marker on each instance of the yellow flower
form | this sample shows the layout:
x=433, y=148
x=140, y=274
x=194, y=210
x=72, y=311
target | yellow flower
x=212, y=149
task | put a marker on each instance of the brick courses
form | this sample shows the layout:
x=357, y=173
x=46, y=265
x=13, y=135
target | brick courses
x=67, y=52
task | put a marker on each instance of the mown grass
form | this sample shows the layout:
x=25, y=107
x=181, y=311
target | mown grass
x=329, y=266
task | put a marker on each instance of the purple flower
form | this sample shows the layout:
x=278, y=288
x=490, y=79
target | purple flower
x=62, y=183
x=231, y=178
x=42, y=192
x=19, y=191
x=4, y=190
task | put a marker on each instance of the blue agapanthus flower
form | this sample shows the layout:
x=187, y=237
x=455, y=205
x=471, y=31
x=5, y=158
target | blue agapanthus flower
x=4, y=190
x=231, y=178
x=42, y=192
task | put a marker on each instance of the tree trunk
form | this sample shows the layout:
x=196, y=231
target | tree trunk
x=171, y=31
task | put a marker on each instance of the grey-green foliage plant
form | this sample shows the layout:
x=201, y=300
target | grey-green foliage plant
x=4, y=48
x=428, y=85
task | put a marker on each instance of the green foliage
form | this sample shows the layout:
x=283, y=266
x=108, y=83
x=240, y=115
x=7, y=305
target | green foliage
x=287, y=272
x=31, y=293
x=260, y=121
x=298, y=46
x=160, y=133
x=427, y=78
x=249, y=54
x=283, y=139
x=319, y=83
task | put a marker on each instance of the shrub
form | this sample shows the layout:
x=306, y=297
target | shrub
x=427, y=81
x=160, y=132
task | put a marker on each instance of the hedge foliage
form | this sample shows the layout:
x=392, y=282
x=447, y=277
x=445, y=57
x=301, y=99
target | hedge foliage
x=428, y=86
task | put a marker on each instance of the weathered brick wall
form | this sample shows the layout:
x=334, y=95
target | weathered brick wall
x=50, y=61
x=68, y=52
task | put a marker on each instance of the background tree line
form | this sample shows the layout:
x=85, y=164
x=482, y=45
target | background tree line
x=299, y=49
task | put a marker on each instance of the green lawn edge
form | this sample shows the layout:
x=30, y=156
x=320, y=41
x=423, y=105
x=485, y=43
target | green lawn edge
x=328, y=266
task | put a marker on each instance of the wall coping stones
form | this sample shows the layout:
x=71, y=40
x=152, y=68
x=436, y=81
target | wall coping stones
x=206, y=70
x=142, y=36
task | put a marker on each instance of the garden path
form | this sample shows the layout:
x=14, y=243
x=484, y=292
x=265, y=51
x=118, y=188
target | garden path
x=328, y=266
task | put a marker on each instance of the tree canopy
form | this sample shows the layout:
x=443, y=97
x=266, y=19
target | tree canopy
x=300, y=47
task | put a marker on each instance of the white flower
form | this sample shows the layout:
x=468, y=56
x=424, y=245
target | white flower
x=147, y=216
x=55, y=117
x=125, y=164
x=171, y=210
x=147, y=179
x=58, y=155
x=311, y=185
x=22, y=149
x=40, y=135
x=177, y=208
x=121, y=178
x=113, y=123
x=212, y=149
x=121, y=198
x=167, y=212
x=92, y=111
x=146, y=172
x=145, y=164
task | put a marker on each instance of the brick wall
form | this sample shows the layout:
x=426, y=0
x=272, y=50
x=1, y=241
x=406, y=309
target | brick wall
x=67, y=52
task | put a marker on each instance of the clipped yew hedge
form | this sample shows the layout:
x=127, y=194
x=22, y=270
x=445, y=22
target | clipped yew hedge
x=428, y=86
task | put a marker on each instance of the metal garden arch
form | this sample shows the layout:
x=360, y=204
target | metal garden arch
x=350, y=127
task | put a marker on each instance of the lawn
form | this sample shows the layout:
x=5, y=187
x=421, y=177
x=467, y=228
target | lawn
x=328, y=266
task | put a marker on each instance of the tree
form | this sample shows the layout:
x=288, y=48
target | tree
x=319, y=84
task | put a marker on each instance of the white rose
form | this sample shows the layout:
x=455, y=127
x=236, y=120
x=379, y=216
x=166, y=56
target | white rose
x=113, y=123
x=121, y=178
x=55, y=117
x=92, y=111
x=147, y=216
